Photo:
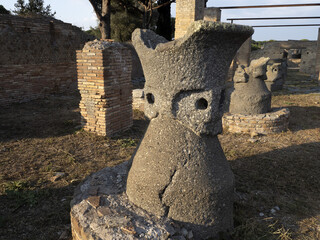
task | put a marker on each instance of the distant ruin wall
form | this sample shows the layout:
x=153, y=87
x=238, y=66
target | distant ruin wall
x=22, y=83
x=276, y=49
x=38, y=57
x=308, y=60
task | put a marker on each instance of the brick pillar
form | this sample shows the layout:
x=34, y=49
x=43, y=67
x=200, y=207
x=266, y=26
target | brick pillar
x=212, y=14
x=187, y=11
x=104, y=81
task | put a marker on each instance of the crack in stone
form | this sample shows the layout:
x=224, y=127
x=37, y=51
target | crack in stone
x=161, y=193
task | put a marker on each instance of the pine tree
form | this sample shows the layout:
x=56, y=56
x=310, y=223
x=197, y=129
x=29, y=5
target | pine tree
x=34, y=7
x=3, y=10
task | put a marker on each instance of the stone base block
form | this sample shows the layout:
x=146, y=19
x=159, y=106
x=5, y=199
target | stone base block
x=100, y=209
x=275, y=121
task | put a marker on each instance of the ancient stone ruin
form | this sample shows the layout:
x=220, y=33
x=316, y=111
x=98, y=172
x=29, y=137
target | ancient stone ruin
x=307, y=61
x=250, y=101
x=104, y=81
x=179, y=184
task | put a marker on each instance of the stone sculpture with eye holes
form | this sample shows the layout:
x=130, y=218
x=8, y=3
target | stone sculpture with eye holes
x=179, y=170
x=250, y=95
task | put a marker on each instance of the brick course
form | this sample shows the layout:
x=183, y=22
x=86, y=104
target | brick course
x=275, y=121
x=22, y=83
x=104, y=81
x=37, y=57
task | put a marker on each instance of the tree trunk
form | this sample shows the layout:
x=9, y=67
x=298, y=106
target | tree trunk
x=164, y=21
x=104, y=25
x=147, y=14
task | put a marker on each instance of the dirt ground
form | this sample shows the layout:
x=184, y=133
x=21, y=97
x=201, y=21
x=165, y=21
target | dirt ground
x=44, y=154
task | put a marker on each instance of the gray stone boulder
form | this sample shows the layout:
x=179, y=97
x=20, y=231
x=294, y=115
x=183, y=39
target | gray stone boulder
x=179, y=170
x=250, y=94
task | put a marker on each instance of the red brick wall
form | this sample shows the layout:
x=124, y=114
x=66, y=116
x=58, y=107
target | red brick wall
x=22, y=83
x=104, y=81
x=38, y=57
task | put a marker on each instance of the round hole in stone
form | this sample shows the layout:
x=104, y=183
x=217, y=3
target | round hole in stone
x=201, y=104
x=150, y=98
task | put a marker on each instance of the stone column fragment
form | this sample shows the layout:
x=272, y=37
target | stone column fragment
x=104, y=82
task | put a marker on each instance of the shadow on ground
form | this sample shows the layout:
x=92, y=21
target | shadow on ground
x=287, y=178
x=49, y=117
x=40, y=213
x=304, y=118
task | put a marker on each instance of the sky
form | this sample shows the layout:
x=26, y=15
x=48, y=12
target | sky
x=81, y=14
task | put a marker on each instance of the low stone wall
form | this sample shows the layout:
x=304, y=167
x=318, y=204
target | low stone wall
x=275, y=121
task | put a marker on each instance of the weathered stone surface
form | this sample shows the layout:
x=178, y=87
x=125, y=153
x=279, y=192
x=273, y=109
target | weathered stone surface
x=250, y=95
x=179, y=170
x=276, y=74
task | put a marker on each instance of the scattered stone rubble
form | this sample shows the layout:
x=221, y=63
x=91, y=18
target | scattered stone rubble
x=101, y=210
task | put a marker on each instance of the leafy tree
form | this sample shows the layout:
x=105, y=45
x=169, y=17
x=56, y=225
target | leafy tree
x=255, y=45
x=3, y=10
x=124, y=19
x=94, y=32
x=34, y=7
x=148, y=7
x=118, y=18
